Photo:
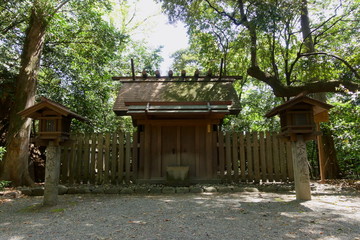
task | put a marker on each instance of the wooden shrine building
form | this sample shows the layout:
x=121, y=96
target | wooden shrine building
x=177, y=120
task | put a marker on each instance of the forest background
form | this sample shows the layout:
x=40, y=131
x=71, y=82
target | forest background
x=281, y=48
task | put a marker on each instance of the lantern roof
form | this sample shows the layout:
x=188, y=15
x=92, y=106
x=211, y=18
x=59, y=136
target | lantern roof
x=36, y=110
x=318, y=106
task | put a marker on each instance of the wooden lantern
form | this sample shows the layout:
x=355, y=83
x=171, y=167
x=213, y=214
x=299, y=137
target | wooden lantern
x=299, y=117
x=54, y=121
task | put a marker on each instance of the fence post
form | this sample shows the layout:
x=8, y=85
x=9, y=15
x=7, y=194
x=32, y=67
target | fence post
x=262, y=157
x=235, y=156
x=242, y=157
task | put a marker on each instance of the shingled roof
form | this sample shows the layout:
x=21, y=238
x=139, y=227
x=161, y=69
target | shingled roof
x=318, y=106
x=45, y=103
x=173, y=92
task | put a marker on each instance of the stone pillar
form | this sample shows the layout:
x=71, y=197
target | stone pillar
x=301, y=169
x=52, y=172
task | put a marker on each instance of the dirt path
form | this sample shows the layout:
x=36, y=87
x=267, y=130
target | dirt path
x=243, y=215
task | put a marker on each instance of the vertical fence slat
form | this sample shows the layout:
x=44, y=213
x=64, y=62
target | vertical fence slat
x=269, y=157
x=262, y=157
x=128, y=157
x=242, y=157
x=249, y=157
x=135, y=155
x=221, y=154
x=64, y=164
x=215, y=153
x=276, y=158
x=121, y=158
x=72, y=159
x=256, y=160
x=113, y=159
x=116, y=158
x=197, y=150
x=93, y=158
x=99, y=164
x=228, y=156
x=235, y=156
x=79, y=157
x=107, y=158
x=86, y=159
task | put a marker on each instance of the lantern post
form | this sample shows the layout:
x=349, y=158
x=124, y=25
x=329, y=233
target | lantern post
x=298, y=118
x=54, y=130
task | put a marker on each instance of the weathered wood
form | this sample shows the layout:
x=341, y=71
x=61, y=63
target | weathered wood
x=228, y=156
x=121, y=158
x=283, y=171
x=79, y=157
x=215, y=153
x=86, y=159
x=242, y=157
x=249, y=158
x=142, y=156
x=127, y=157
x=100, y=156
x=290, y=169
x=147, y=153
x=221, y=154
x=178, y=146
x=197, y=150
x=93, y=158
x=262, y=157
x=269, y=157
x=276, y=158
x=235, y=155
x=64, y=164
x=72, y=162
x=135, y=155
x=114, y=156
x=256, y=160
x=107, y=158
x=209, y=156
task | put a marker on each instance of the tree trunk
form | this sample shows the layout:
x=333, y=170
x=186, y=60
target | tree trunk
x=326, y=148
x=15, y=168
x=331, y=166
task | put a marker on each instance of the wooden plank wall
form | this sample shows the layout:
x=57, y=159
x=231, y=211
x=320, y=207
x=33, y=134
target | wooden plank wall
x=99, y=159
x=254, y=157
x=112, y=158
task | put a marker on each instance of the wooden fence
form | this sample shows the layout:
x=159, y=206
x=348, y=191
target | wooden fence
x=112, y=158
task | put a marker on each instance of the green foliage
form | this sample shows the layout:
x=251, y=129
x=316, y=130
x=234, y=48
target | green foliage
x=256, y=101
x=2, y=152
x=83, y=51
x=4, y=184
x=345, y=123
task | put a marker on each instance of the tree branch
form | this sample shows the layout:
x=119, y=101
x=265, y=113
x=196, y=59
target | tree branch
x=353, y=70
x=225, y=14
x=280, y=90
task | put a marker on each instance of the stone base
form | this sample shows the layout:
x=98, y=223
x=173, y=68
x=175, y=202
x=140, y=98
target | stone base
x=177, y=176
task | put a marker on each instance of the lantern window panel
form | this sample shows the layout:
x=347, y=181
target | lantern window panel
x=50, y=125
x=302, y=118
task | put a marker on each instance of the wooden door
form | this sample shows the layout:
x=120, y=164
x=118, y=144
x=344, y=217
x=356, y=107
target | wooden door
x=169, y=147
x=178, y=148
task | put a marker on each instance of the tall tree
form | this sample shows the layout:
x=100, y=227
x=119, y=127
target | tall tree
x=329, y=167
x=273, y=33
x=15, y=166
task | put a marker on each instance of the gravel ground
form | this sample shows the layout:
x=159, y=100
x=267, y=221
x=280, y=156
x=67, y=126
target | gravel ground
x=243, y=215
